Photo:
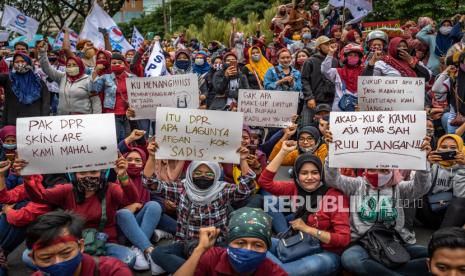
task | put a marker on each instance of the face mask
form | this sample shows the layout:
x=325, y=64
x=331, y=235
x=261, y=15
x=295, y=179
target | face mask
x=430, y=132
x=307, y=36
x=353, y=61
x=90, y=53
x=256, y=58
x=462, y=67
x=21, y=68
x=182, y=64
x=72, y=71
x=134, y=170
x=199, y=61
x=218, y=66
x=9, y=146
x=445, y=30
x=202, y=182
x=129, y=60
x=243, y=260
x=88, y=184
x=300, y=61
x=398, y=53
x=117, y=69
x=378, y=180
x=308, y=149
x=64, y=268
x=52, y=59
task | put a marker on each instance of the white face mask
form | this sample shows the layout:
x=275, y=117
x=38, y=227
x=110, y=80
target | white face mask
x=72, y=71
x=199, y=61
x=384, y=179
x=445, y=30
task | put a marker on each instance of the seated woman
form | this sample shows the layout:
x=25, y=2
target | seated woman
x=249, y=238
x=84, y=195
x=331, y=227
x=448, y=179
x=379, y=192
x=308, y=142
x=138, y=220
x=202, y=200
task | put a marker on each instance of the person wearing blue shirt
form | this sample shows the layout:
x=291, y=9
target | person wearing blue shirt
x=283, y=77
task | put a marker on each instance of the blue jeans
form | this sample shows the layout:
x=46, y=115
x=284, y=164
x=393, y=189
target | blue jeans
x=169, y=257
x=10, y=235
x=167, y=224
x=280, y=221
x=122, y=127
x=139, y=227
x=144, y=125
x=114, y=250
x=325, y=263
x=356, y=260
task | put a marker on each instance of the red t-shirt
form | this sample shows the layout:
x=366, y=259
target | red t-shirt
x=121, y=103
x=107, y=266
x=215, y=262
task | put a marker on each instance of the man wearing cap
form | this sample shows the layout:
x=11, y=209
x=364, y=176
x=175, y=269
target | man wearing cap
x=249, y=238
x=315, y=87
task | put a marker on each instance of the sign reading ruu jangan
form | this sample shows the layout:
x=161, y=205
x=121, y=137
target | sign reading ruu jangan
x=59, y=144
x=378, y=140
x=193, y=134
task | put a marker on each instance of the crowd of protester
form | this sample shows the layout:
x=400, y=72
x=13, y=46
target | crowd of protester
x=206, y=218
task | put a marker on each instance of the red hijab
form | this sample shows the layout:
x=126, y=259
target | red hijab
x=80, y=64
x=106, y=62
x=399, y=64
x=349, y=74
x=136, y=177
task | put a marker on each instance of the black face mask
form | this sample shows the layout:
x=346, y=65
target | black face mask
x=203, y=183
x=88, y=184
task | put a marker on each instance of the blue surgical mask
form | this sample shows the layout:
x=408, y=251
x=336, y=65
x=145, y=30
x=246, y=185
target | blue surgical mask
x=64, y=268
x=243, y=260
x=182, y=64
x=9, y=146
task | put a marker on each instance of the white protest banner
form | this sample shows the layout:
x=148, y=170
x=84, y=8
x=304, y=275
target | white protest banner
x=194, y=134
x=156, y=65
x=58, y=144
x=73, y=39
x=378, y=140
x=16, y=21
x=98, y=18
x=136, y=39
x=267, y=108
x=391, y=93
x=358, y=8
x=146, y=94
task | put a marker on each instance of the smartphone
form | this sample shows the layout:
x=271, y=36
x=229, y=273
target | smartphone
x=446, y=155
x=252, y=149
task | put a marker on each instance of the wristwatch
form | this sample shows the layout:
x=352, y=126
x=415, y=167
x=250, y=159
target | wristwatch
x=318, y=233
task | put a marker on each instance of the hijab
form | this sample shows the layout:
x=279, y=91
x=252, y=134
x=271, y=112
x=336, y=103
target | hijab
x=81, y=66
x=349, y=75
x=6, y=131
x=179, y=71
x=136, y=177
x=392, y=59
x=27, y=87
x=200, y=196
x=460, y=148
x=261, y=67
x=201, y=69
x=314, y=132
x=318, y=192
x=106, y=63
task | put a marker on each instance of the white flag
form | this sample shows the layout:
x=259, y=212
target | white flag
x=98, y=18
x=73, y=39
x=16, y=21
x=156, y=65
x=358, y=8
x=136, y=39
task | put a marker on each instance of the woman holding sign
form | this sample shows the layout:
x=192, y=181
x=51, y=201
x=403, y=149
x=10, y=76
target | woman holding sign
x=330, y=228
x=202, y=200
x=377, y=221
x=90, y=195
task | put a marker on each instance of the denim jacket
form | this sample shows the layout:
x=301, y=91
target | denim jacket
x=276, y=73
x=107, y=84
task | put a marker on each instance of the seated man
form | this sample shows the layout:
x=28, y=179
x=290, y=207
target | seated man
x=56, y=244
x=249, y=238
x=446, y=252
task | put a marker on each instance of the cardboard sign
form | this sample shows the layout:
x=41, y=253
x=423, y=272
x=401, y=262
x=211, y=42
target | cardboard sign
x=194, y=134
x=146, y=94
x=267, y=108
x=378, y=140
x=58, y=144
x=391, y=93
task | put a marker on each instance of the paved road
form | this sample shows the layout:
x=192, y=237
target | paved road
x=17, y=268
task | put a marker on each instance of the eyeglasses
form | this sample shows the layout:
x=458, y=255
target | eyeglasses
x=306, y=139
x=209, y=175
